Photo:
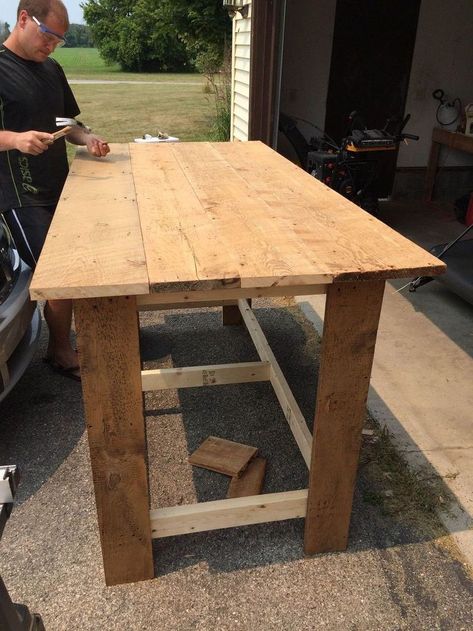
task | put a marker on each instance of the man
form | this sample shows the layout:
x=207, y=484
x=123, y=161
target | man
x=33, y=168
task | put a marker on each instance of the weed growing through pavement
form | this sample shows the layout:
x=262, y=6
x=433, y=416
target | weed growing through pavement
x=396, y=488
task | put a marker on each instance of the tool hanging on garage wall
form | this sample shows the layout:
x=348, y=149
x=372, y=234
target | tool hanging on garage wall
x=449, y=111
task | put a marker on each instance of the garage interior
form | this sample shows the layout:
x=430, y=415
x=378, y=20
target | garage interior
x=342, y=56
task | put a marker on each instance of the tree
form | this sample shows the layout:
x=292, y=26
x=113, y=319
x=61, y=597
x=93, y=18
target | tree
x=79, y=36
x=4, y=31
x=139, y=35
x=157, y=34
x=204, y=26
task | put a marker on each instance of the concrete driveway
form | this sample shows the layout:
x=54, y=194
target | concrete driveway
x=401, y=570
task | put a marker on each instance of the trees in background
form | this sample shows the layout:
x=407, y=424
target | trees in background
x=4, y=31
x=204, y=27
x=158, y=35
x=79, y=36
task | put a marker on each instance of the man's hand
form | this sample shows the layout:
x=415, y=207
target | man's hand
x=81, y=135
x=96, y=145
x=33, y=142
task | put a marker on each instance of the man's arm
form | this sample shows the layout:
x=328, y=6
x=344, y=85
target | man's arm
x=80, y=135
x=31, y=142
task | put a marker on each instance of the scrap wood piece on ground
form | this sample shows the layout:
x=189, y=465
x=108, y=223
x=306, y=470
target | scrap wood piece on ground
x=250, y=481
x=223, y=456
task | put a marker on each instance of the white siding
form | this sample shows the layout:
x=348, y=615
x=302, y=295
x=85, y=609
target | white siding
x=241, y=51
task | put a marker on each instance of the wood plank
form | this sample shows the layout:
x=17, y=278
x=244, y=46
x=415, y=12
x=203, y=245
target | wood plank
x=228, y=513
x=324, y=231
x=349, y=336
x=228, y=215
x=195, y=376
x=267, y=253
x=451, y=139
x=226, y=236
x=184, y=305
x=115, y=425
x=291, y=410
x=223, y=456
x=215, y=295
x=184, y=249
x=250, y=481
x=94, y=246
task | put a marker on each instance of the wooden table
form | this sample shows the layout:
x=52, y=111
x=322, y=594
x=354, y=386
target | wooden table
x=193, y=224
x=452, y=139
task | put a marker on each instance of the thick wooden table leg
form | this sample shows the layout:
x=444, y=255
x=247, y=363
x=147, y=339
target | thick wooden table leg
x=351, y=323
x=108, y=344
x=231, y=314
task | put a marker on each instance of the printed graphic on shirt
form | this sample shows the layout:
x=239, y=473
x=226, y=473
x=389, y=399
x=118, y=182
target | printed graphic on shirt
x=27, y=180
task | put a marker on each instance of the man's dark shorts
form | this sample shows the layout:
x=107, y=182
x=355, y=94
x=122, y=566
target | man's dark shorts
x=29, y=226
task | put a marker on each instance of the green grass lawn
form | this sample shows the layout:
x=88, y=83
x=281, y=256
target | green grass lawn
x=83, y=62
x=174, y=103
x=123, y=112
x=86, y=63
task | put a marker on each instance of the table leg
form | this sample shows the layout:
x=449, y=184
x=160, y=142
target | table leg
x=231, y=315
x=431, y=171
x=351, y=322
x=108, y=343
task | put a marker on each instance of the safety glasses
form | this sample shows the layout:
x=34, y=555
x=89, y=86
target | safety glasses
x=50, y=37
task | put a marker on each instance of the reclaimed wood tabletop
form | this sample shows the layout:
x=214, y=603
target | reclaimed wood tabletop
x=201, y=216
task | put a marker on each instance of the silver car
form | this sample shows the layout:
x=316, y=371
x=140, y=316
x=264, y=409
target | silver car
x=20, y=320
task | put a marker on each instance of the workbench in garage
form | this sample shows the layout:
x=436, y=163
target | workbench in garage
x=192, y=224
x=443, y=137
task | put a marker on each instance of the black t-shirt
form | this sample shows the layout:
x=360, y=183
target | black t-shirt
x=32, y=94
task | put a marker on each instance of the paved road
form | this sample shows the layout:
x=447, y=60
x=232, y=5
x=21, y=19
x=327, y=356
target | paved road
x=394, y=575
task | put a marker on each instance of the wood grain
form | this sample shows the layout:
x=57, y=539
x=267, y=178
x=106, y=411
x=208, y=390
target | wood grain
x=317, y=228
x=288, y=403
x=223, y=456
x=250, y=481
x=210, y=216
x=215, y=221
x=451, y=139
x=239, y=215
x=227, y=513
x=349, y=337
x=196, y=376
x=94, y=246
x=113, y=402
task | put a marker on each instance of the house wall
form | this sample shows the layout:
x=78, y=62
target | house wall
x=241, y=51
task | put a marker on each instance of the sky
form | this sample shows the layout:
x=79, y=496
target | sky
x=8, y=11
